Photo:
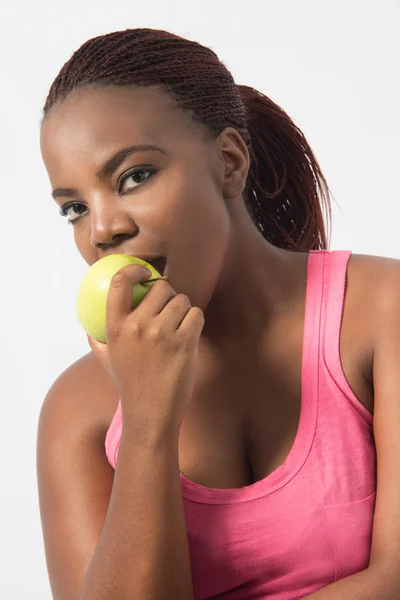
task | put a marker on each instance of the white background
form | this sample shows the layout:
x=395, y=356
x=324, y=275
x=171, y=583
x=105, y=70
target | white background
x=332, y=65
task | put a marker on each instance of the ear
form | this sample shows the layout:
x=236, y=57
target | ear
x=236, y=160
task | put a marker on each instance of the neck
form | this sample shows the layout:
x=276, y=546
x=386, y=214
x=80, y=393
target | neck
x=259, y=284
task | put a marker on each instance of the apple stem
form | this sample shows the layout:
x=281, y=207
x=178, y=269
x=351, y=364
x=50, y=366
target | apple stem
x=156, y=279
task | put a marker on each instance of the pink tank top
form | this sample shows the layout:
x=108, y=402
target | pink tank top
x=309, y=523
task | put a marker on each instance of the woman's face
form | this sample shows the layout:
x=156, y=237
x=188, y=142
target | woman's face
x=145, y=202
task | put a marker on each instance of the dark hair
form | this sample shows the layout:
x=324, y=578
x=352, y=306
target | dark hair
x=286, y=194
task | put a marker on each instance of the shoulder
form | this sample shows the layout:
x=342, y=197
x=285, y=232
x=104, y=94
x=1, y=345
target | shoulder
x=376, y=266
x=74, y=476
x=82, y=397
x=376, y=278
x=373, y=288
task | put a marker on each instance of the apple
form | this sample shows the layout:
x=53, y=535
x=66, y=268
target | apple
x=92, y=295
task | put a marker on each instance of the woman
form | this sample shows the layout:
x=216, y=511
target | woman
x=258, y=387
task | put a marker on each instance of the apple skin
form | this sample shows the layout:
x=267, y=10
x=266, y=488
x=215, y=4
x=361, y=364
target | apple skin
x=92, y=295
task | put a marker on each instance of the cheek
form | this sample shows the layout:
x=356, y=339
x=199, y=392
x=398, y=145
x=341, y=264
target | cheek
x=198, y=245
x=195, y=211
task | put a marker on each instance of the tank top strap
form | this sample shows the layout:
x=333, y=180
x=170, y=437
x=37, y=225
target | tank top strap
x=334, y=292
x=334, y=289
x=326, y=280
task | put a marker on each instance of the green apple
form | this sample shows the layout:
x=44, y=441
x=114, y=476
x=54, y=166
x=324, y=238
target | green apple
x=92, y=295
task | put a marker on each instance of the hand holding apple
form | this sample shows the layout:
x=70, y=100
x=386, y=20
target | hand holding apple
x=151, y=352
x=92, y=295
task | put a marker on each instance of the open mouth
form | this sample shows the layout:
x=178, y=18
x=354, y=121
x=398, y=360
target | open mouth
x=159, y=264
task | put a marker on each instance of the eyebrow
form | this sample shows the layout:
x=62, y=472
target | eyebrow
x=110, y=166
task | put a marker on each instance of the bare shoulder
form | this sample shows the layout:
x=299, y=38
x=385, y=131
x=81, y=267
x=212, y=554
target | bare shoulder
x=374, y=265
x=373, y=295
x=83, y=397
x=376, y=279
x=74, y=477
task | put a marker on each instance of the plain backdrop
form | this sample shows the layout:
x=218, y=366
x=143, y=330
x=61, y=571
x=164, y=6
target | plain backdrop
x=332, y=65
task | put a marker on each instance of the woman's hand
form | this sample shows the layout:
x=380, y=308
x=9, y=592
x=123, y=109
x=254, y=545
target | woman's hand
x=151, y=351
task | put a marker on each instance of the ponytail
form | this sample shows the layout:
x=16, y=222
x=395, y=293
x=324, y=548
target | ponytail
x=286, y=193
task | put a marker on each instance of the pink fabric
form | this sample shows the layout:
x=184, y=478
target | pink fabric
x=309, y=523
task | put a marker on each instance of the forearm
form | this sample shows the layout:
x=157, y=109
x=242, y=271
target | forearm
x=143, y=550
x=371, y=584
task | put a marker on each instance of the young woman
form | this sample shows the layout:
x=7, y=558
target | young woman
x=237, y=436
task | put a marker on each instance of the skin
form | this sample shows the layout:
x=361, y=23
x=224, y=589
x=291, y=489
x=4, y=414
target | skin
x=243, y=417
x=192, y=211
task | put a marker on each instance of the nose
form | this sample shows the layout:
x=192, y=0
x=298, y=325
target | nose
x=110, y=228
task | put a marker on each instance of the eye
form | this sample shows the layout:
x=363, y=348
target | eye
x=138, y=176
x=75, y=207
x=74, y=211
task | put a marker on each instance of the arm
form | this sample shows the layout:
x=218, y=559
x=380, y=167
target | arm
x=381, y=581
x=107, y=535
x=143, y=550
x=367, y=585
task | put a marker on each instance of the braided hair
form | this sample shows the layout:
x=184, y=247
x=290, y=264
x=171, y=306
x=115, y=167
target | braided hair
x=286, y=194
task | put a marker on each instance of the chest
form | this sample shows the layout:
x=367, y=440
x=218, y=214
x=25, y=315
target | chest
x=242, y=424
x=235, y=435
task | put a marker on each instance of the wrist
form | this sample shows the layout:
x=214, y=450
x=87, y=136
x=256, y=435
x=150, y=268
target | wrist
x=142, y=434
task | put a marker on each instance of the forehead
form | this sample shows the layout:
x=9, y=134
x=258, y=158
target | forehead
x=106, y=118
